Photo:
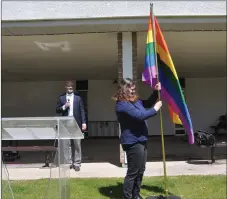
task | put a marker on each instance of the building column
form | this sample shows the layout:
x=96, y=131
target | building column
x=127, y=55
x=127, y=66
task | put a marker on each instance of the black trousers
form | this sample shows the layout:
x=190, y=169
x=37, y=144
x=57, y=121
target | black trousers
x=136, y=160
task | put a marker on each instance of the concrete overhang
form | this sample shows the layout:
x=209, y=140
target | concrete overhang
x=167, y=23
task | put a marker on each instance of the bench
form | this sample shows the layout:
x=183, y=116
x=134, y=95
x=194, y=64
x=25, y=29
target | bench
x=33, y=148
x=218, y=144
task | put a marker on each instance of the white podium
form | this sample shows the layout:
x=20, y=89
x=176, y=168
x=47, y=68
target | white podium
x=60, y=129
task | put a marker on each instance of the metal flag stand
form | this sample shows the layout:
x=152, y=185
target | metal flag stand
x=161, y=122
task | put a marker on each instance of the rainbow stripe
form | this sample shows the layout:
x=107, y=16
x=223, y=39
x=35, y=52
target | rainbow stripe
x=149, y=74
x=171, y=91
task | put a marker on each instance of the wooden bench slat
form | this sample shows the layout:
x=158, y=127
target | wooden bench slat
x=221, y=144
x=29, y=148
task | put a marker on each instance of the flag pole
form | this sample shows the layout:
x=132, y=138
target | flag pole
x=160, y=112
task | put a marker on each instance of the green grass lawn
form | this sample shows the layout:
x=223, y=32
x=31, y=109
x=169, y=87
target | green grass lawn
x=188, y=187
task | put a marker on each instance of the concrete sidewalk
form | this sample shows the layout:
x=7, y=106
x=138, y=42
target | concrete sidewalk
x=103, y=170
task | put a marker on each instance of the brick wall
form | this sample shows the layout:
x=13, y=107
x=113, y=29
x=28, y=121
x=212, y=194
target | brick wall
x=120, y=58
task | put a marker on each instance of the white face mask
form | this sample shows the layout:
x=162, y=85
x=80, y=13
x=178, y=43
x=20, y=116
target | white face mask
x=69, y=90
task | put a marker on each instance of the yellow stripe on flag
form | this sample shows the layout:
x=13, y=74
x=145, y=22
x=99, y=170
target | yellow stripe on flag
x=166, y=58
x=150, y=37
x=175, y=118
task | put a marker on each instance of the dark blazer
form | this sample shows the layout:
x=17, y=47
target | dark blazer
x=133, y=116
x=78, y=108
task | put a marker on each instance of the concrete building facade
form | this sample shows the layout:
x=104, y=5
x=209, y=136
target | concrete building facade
x=45, y=43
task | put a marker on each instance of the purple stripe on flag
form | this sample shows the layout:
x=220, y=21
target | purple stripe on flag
x=149, y=76
x=176, y=109
x=151, y=71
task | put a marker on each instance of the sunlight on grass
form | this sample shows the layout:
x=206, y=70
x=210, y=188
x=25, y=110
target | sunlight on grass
x=188, y=187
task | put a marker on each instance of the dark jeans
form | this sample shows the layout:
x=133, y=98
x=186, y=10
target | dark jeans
x=136, y=160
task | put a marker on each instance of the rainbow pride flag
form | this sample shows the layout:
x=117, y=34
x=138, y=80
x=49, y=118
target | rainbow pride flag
x=171, y=91
x=149, y=74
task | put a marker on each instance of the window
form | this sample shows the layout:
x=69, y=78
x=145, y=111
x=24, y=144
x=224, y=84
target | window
x=82, y=89
x=82, y=85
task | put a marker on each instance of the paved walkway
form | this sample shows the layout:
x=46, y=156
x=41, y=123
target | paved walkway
x=99, y=170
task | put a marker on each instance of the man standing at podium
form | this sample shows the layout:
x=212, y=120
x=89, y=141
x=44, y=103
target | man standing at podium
x=70, y=104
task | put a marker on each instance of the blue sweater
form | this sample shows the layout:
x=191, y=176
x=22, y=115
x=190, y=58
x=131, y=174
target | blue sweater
x=133, y=119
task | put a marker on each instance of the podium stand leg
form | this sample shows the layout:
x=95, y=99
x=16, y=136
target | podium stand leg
x=64, y=168
x=64, y=185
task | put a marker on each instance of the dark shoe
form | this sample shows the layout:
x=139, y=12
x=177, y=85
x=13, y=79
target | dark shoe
x=76, y=168
x=71, y=166
x=46, y=165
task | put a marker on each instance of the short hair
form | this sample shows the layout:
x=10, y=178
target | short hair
x=69, y=83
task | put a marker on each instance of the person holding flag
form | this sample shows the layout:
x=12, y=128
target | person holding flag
x=132, y=115
x=159, y=67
